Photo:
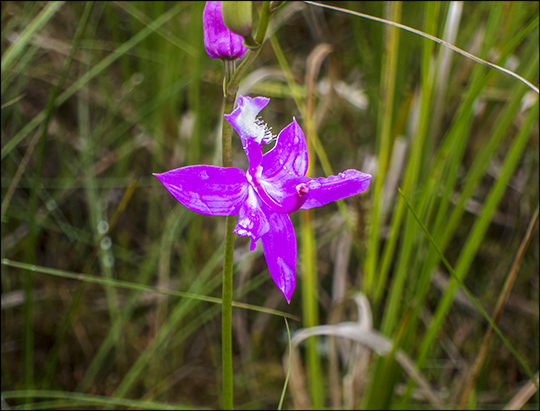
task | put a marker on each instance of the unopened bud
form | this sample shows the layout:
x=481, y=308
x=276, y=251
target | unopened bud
x=219, y=41
x=237, y=16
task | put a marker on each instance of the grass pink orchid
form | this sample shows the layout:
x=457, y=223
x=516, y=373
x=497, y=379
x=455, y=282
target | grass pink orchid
x=274, y=186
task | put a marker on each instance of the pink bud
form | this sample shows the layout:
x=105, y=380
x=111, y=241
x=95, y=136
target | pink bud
x=219, y=41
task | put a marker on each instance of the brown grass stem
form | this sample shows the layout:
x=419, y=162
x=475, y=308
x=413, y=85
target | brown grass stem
x=503, y=298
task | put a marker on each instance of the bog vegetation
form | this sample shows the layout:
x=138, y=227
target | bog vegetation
x=111, y=289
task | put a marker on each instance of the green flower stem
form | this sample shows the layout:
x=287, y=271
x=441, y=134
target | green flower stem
x=228, y=106
x=231, y=84
x=226, y=310
x=263, y=23
x=226, y=315
x=251, y=54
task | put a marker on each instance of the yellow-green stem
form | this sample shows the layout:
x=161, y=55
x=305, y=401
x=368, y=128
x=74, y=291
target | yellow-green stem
x=226, y=311
x=231, y=83
x=310, y=308
x=310, y=300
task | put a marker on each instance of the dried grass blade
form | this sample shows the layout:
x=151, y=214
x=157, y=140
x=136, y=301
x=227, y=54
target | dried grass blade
x=435, y=39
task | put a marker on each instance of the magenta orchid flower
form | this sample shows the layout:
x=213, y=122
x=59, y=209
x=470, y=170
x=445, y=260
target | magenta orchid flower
x=274, y=186
x=219, y=41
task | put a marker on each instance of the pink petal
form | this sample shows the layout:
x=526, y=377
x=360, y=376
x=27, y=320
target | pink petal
x=324, y=190
x=252, y=221
x=289, y=157
x=279, y=245
x=207, y=189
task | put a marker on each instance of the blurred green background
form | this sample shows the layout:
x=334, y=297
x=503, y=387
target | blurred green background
x=97, y=96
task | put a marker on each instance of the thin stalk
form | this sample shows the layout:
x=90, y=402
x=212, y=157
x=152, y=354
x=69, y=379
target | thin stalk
x=226, y=310
x=503, y=298
x=310, y=299
x=289, y=369
x=264, y=21
x=226, y=315
x=231, y=83
x=226, y=128
x=310, y=307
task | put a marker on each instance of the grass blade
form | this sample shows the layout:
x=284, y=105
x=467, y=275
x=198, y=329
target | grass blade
x=289, y=369
x=23, y=39
x=435, y=39
x=476, y=303
x=139, y=287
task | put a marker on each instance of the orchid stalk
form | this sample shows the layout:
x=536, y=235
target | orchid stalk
x=227, y=282
x=221, y=42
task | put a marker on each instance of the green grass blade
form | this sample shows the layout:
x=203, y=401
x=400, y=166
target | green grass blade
x=384, y=144
x=93, y=72
x=473, y=242
x=459, y=282
x=288, y=369
x=82, y=399
x=12, y=53
x=437, y=40
x=139, y=287
x=387, y=370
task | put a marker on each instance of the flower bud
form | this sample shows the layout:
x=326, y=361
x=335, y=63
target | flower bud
x=237, y=16
x=219, y=41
